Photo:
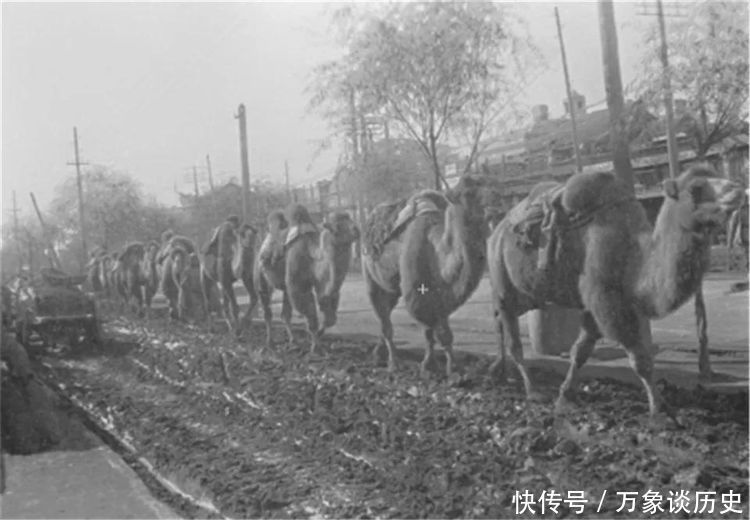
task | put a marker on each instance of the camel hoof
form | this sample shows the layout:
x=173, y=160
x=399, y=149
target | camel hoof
x=536, y=396
x=663, y=420
x=377, y=359
x=392, y=366
x=497, y=370
x=564, y=406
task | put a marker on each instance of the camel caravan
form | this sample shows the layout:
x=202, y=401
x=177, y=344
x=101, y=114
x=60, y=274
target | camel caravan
x=586, y=244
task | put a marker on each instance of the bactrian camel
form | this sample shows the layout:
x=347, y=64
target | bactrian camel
x=597, y=251
x=315, y=265
x=430, y=250
x=165, y=262
x=227, y=257
x=270, y=273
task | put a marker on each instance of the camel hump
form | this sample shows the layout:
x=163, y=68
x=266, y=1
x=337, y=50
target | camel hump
x=586, y=192
x=183, y=242
x=212, y=246
x=132, y=250
x=295, y=232
x=426, y=201
x=297, y=214
x=379, y=225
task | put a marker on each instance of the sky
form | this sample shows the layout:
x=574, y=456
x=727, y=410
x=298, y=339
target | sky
x=152, y=88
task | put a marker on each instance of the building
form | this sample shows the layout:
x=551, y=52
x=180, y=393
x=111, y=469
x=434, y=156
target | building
x=544, y=151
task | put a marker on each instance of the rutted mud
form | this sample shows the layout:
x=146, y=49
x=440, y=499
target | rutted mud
x=278, y=433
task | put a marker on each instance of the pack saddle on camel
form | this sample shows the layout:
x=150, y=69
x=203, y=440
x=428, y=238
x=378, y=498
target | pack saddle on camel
x=430, y=249
x=314, y=264
x=228, y=257
x=587, y=244
x=169, y=280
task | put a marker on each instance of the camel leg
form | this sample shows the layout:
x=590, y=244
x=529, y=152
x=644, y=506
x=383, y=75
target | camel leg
x=247, y=319
x=303, y=301
x=383, y=303
x=701, y=324
x=207, y=286
x=498, y=365
x=580, y=352
x=265, y=291
x=286, y=317
x=509, y=322
x=445, y=337
x=229, y=307
x=429, y=336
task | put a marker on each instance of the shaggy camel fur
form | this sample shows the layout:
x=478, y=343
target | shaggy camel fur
x=316, y=265
x=607, y=260
x=94, y=269
x=129, y=273
x=227, y=257
x=169, y=288
x=436, y=262
x=186, y=270
x=270, y=271
x=149, y=274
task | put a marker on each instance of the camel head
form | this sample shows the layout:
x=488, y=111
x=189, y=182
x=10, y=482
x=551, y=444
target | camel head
x=246, y=236
x=152, y=248
x=276, y=221
x=166, y=236
x=471, y=193
x=342, y=228
x=700, y=200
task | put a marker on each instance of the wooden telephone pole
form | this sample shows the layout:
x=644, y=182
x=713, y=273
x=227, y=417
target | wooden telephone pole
x=618, y=136
x=15, y=233
x=579, y=167
x=286, y=177
x=244, y=161
x=211, y=187
x=53, y=259
x=82, y=220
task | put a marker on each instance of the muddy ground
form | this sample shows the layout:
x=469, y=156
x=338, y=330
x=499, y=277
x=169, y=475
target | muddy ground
x=280, y=433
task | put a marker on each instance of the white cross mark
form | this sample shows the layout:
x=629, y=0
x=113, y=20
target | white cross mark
x=422, y=289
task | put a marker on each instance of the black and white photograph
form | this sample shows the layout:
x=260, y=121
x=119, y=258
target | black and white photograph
x=386, y=259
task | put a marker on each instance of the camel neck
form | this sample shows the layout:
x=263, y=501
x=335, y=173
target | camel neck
x=675, y=260
x=463, y=246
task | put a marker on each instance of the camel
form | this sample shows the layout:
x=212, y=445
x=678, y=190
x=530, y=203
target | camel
x=316, y=264
x=93, y=270
x=270, y=272
x=588, y=244
x=149, y=274
x=167, y=285
x=129, y=271
x=186, y=277
x=228, y=257
x=430, y=249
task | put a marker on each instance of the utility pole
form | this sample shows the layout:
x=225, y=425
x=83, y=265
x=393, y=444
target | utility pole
x=195, y=184
x=618, y=136
x=30, y=244
x=579, y=167
x=81, y=218
x=672, y=149
x=244, y=161
x=211, y=187
x=53, y=259
x=15, y=232
x=286, y=177
x=210, y=175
